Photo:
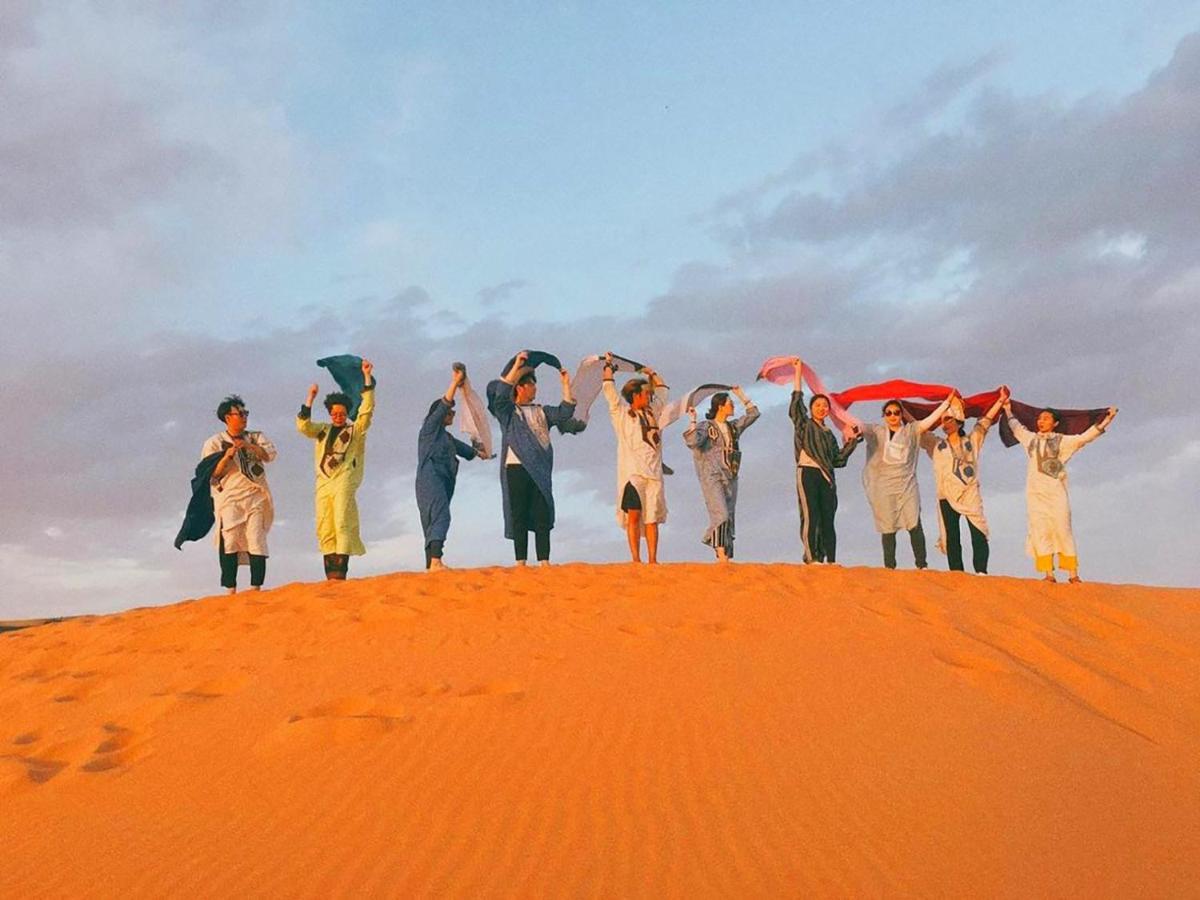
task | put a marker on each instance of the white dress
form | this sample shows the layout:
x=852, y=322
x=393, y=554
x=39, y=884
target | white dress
x=956, y=475
x=639, y=454
x=242, y=502
x=890, y=472
x=1046, y=499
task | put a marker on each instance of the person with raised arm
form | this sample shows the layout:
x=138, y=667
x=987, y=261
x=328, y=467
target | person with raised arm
x=718, y=459
x=437, y=469
x=641, y=500
x=956, y=475
x=339, y=454
x=890, y=477
x=242, y=504
x=1047, y=502
x=817, y=456
x=526, y=454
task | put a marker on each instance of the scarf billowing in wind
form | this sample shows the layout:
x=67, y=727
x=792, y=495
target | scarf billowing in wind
x=909, y=393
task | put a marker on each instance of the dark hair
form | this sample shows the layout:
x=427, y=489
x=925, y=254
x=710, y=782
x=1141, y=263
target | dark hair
x=884, y=409
x=233, y=401
x=337, y=398
x=1054, y=412
x=816, y=397
x=632, y=388
x=715, y=404
x=527, y=378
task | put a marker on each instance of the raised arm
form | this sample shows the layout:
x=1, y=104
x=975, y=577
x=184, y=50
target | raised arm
x=923, y=425
x=1023, y=435
x=1074, y=441
x=750, y=416
x=304, y=422
x=696, y=436
x=366, y=409
x=500, y=400
x=567, y=396
x=796, y=408
x=611, y=394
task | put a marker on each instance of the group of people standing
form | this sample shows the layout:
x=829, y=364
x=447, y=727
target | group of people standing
x=232, y=471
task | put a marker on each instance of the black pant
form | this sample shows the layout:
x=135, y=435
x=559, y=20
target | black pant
x=916, y=536
x=979, y=541
x=229, y=567
x=818, y=504
x=530, y=512
x=336, y=566
x=433, y=550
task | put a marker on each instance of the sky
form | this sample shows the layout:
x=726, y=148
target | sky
x=199, y=198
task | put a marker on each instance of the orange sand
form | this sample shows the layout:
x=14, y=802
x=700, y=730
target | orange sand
x=611, y=731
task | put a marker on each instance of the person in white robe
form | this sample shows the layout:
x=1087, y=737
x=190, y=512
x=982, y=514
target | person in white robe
x=641, y=500
x=956, y=476
x=1047, y=502
x=890, y=477
x=242, y=504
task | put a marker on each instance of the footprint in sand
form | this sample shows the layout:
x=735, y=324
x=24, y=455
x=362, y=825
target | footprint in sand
x=347, y=720
x=216, y=687
x=509, y=688
x=119, y=747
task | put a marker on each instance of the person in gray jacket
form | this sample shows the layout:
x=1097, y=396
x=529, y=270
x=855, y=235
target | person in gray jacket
x=717, y=457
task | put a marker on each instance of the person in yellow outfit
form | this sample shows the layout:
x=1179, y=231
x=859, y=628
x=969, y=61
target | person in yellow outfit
x=338, y=456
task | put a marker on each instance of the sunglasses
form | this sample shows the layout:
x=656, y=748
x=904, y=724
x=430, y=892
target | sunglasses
x=892, y=412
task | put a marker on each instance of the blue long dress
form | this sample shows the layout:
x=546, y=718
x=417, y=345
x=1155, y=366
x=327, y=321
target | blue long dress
x=437, y=471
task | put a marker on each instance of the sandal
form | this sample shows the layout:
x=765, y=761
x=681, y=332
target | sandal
x=1075, y=579
x=1050, y=578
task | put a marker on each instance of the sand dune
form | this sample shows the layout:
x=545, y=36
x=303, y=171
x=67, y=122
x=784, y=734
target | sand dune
x=761, y=730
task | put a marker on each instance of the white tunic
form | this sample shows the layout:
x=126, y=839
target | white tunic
x=1046, y=500
x=242, y=500
x=639, y=453
x=956, y=475
x=890, y=472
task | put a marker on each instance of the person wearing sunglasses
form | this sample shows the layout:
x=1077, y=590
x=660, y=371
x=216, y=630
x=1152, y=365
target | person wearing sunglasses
x=339, y=454
x=890, y=476
x=1046, y=499
x=242, y=503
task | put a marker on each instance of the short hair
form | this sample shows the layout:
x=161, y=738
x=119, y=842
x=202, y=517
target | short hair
x=715, y=404
x=337, y=398
x=632, y=388
x=527, y=378
x=233, y=401
x=885, y=406
x=816, y=397
x=1055, y=413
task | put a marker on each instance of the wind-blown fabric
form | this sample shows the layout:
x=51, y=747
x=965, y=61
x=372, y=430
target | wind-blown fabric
x=473, y=421
x=199, y=517
x=534, y=359
x=589, y=379
x=678, y=408
x=639, y=454
x=1072, y=421
x=347, y=372
x=780, y=370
